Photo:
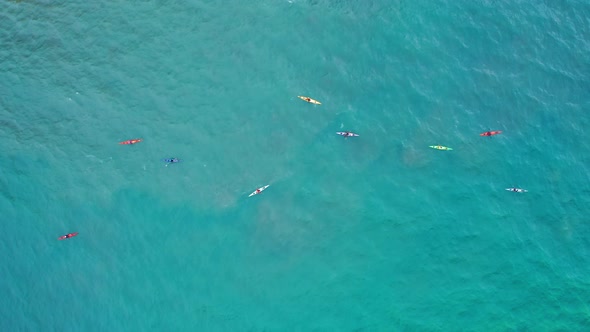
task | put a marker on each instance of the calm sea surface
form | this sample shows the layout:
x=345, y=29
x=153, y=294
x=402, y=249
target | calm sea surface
x=373, y=233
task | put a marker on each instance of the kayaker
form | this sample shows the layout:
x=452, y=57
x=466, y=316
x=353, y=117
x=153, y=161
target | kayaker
x=67, y=236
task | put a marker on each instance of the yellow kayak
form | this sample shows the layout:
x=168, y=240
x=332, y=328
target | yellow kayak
x=440, y=147
x=309, y=100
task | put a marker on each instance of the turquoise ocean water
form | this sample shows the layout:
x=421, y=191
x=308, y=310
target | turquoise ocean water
x=375, y=233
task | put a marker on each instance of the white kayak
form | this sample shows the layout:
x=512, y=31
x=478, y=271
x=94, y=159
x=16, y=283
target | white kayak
x=258, y=191
x=347, y=134
x=309, y=100
x=517, y=190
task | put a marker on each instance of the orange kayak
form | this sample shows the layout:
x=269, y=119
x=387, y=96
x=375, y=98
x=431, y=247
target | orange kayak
x=491, y=133
x=131, y=141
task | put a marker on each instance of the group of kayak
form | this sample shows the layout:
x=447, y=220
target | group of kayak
x=437, y=147
x=137, y=140
x=315, y=102
x=487, y=133
x=345, y=134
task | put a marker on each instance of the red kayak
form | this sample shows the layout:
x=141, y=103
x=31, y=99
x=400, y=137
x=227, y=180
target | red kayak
x=491, y=133
x=67, y=236
x=131, y=141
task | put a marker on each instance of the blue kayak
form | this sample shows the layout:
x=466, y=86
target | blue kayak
x=171, y=160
